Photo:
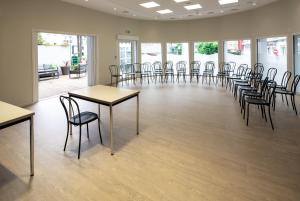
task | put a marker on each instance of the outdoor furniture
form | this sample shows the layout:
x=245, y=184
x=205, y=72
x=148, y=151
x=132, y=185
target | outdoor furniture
x=78, y=70
x=108, y=96
x=77, y=118
x=11, y=115
x=46, y=71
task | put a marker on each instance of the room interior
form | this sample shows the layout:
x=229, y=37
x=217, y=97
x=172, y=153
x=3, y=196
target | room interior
x=193, y=142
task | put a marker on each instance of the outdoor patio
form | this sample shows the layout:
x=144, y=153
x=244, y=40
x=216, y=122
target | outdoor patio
x=53, y=87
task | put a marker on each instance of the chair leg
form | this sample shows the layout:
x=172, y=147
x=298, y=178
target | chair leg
x=79, y=142
x=287, y=102
x=87, y=131
x=99, y=131
x=248, y=114
x=294, y=103
x=269, y=107
x=68, y=128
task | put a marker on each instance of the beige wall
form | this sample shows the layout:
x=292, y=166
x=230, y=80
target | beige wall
x=19, y=18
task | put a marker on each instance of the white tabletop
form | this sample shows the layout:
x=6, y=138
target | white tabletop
x=10, y=113
x=106, y=94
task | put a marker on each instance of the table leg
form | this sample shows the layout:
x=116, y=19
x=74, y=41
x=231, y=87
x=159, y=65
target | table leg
x=99, y=110
x=31, y=146
x=137, y=114
x=111, y=130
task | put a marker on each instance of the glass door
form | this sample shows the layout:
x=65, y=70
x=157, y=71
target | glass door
x=297, y=56
x=127, y=52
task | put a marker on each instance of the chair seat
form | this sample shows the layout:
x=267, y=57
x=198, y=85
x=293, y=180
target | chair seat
x=86, y=117
x=256, y=101
x=281, y=91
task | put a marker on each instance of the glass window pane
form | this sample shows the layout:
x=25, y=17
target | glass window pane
x=238, y=51
x=207, y=51
x=297, y=57
x=151, y=52
x=178, y=52
x=272, y=53
x=125, y=49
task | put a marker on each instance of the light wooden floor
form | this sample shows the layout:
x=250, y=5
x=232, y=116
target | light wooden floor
x=193, y=146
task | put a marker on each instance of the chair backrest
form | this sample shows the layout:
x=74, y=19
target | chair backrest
x=295, y=84
x=129, y=68
x=114, y=70
x=70, y=107
x=239, y=71
x=157, y=66
x=258, y=68
x=232, y=66
x=168, y=66
x=195, y=66
x=270, y=91
x=271, y=74
x=286, y=78
x=181, y=66
x=225, y=67
x=210, y=66
x=137, y=67
x=146, y=67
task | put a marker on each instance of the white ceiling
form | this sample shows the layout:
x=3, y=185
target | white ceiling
x=132, y=9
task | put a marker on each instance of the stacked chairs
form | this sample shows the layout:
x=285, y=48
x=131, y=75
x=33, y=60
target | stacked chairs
x=157, y=71
x=208, y=72
x=232, y=67
x=146, y=71
x=181, y=70
x=195, y=70
x=115, y=72
x=169, y=71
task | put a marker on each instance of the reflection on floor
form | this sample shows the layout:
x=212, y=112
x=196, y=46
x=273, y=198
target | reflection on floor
x=53, y=87
x=193, y=146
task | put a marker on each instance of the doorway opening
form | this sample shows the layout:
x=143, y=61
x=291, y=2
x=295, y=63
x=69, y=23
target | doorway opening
x=63, y=63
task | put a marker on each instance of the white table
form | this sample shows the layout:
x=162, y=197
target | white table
x=11, y=115
x=108, y=96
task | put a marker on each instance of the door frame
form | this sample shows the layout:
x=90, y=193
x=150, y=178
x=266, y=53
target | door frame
x=35, y=83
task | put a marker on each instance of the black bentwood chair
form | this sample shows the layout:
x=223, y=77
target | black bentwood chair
x=77, y=118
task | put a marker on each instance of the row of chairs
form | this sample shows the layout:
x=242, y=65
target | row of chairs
x=163, y=72
x=252, y=89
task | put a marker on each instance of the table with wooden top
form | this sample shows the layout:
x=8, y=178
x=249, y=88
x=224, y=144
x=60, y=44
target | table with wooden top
x=11, y=115
x=108, y=96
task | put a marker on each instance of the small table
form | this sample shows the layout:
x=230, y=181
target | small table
x=108, y=96
x=11, y=115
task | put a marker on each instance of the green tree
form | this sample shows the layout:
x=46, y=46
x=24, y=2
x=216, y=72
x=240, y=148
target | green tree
x=40, y=39
x=207, y=48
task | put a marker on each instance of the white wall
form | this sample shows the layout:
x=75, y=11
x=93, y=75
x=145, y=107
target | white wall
x=18, y=18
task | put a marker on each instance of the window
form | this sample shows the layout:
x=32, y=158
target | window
x=272, y=53
x=207, y=51
x=127, y=52
x=238, y=51
x=178, y=52
x=151, y=52
x=297, y=57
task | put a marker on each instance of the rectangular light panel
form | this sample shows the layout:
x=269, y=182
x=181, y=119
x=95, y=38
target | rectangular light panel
x=193, y=7
x=150, y=4
x=166, y=11
x=224, y=2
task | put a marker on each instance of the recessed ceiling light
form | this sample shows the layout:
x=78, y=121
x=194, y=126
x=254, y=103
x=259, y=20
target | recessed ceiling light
x=179, y=1
x=115, y=8
x=221, y=11
x=86, y=0
x=254, y=4
x=193, y=7
x=224, y=2
x=150, y=4
x=166, y=11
